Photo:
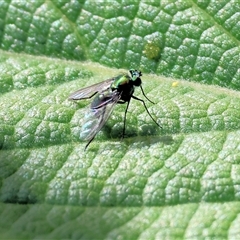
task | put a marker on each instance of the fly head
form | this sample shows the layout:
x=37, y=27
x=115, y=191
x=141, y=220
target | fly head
x=135, y=77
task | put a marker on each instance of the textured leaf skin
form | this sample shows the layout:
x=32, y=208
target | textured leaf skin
x=195, y=40
x=147, y=178
x=193, y=220
x=178, y=182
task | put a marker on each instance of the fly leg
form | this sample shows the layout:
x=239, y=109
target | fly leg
x=125, y=116
x=145, y=95
x=146, y=109
x=124, y=121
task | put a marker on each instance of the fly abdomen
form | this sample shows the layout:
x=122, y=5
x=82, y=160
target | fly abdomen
x=91, y=123
x=102, y=99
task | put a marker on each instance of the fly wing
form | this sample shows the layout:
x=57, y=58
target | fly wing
x=90, y=91
x=96, y=118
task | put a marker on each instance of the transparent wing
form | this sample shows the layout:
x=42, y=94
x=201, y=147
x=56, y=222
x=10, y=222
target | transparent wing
x=96, y=118
x=90, y=91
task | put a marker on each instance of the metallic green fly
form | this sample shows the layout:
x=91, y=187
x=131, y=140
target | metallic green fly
x=120, y=90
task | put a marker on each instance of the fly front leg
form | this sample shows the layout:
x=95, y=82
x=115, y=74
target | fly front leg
x=124, y=121
x=136, y=98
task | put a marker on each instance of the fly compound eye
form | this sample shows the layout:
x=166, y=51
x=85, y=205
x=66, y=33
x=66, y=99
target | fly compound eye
x=135, y=74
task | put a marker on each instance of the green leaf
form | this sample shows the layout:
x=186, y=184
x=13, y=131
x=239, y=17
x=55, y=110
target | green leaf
x=193, y=158
x=178, y=181
x=195, y=40
x=190, y=221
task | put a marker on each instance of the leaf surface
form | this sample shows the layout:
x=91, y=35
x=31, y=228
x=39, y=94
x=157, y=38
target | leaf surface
x=178, y=181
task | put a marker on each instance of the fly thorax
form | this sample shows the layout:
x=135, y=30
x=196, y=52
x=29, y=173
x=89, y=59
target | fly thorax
x=120, y=82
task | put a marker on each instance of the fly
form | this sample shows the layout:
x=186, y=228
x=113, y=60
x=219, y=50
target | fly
x=107, y=94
